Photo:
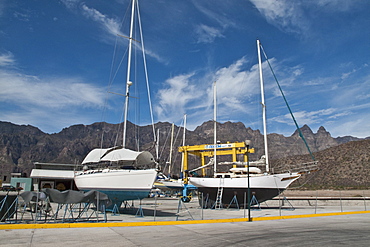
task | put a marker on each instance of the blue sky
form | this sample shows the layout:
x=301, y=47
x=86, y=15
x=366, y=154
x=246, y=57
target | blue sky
x=56, y=59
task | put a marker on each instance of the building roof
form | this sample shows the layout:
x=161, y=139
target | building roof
x=57, y=166
x=53, y=174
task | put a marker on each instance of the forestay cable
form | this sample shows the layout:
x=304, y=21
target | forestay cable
x=286, y=102
x=146, y=71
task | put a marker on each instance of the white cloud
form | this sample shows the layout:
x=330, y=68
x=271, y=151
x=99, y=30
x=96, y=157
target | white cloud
x=22, y=16
x=340, y=114
x=110, y=25
x=28, y=90
x=357, y=126
x=319, y=81
x=299, y=16
x=193, y=94
x=352, y=96
x=207, y=34
x=335, y=5
x=339, y=122
x=49, y=103
x=47, y=121
x=351, y=70
x=235, y=85
x=176, y=95
x=364, y=96
x=238, y=98
x=70, y=4
x=304, y=117
x=214, y=11
x=7, y=59
x=286, y=15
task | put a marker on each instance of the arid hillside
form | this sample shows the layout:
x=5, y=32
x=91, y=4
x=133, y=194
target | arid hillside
x=346, y=166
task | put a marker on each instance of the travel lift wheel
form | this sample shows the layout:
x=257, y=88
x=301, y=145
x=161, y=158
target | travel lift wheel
x=187, y=198
x=186, y=195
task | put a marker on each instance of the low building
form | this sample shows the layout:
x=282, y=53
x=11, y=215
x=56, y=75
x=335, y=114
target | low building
x=54, y=176
x=24, y=184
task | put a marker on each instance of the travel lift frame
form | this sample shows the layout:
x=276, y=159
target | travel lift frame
x=208, y=150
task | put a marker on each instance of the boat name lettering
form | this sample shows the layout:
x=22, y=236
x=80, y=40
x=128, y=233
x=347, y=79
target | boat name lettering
x=218, y=146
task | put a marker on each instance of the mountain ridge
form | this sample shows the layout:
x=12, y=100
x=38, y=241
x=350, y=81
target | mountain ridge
x=22, y=145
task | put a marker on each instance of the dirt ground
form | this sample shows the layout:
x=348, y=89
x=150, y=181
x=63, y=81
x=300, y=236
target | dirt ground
x=327, y=193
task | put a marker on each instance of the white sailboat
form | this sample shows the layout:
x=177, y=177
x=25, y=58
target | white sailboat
x=126, y=181
x=224, y=188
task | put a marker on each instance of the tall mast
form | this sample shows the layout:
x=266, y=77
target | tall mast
x=128, y=82
x=171, y=149
x=183, y=144
x=157, y=145
x=214, y=127
x=263, y=105
x=183, y=137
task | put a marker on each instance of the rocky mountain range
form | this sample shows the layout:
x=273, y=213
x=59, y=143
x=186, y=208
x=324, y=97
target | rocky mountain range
x=22, y=145
x=346, y=166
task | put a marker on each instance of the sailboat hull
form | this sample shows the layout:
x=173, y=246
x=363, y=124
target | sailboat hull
x=238, y=194
x=119, y=185
x=262, y=188
x=176, y=185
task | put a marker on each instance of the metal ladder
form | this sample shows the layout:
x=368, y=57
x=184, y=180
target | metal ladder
x=218, y=203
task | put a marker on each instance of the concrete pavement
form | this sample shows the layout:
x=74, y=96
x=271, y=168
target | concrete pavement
x=337, y=230
x=330, y=223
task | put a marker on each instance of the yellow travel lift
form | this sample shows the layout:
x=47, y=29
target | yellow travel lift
x=208, y=150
